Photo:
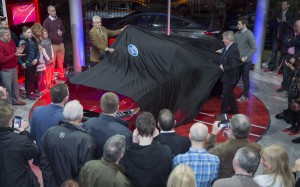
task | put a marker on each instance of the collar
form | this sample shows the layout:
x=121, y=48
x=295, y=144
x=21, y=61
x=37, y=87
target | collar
x=52, y=18
x=203, y=150
x=244, y=30
x=171, y=131
x=227, y=47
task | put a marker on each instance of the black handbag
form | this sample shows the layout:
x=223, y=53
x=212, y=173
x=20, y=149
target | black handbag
x=293, y=91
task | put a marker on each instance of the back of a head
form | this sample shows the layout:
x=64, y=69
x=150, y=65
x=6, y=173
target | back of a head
x=3, y=30
x=198, y=132
x=279, y=160
x=59, y=92
x=240, y=126
x=248, y=159
x=3, y=93
x=70, y=183
x=182, y=176
x=114, y=148
x=6, y=114
x=229, y=35
x=109, y=103
x=145, y=124
x=166, y=120
x=73, y=111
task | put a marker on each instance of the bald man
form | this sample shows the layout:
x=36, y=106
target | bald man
x=204, y=165
x=3, y=93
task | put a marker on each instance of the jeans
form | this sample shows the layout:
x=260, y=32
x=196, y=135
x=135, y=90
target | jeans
x=244, y=70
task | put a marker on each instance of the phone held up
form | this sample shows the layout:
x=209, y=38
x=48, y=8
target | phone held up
x=17, y=122
x=224, y=121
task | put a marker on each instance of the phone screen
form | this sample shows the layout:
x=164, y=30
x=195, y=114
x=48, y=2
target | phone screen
x=17, y=122
x=224, y=125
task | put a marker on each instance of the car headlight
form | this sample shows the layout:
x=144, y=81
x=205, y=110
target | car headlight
x=128, y=113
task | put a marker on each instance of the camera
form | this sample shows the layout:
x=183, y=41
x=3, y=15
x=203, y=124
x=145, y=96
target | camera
x=17, y=122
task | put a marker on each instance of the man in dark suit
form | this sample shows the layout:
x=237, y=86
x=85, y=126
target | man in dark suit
x=166, y=122
x=107, y=124
x=229, y=61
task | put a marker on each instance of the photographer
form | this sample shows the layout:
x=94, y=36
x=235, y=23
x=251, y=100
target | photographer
x=16, y=151
x=237, y=133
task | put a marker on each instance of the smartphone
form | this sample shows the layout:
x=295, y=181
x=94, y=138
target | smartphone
x=17, y=122
x=224, y=124
x=222, y=117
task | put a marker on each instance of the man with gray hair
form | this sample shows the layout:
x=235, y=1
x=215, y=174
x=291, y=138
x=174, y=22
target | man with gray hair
x=8, y=66
x=244, y=164
x=204, y=164
x=106, y=172
x=229, y=64
x=66, y=147
x=98, y=36
x=237, y=137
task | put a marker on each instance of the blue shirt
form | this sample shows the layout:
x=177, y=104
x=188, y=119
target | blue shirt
x=204, y=165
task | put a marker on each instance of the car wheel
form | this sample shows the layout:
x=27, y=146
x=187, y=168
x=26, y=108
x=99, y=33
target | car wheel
x=183, y=8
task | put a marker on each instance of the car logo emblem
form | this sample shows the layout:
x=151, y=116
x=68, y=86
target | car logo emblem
x=132, y=50
x=62, y=135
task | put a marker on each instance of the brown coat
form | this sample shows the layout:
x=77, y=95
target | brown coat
x=99, y=42
x=226, y=151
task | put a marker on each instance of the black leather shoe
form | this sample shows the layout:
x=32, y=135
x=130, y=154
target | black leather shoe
x=280, y=115
x=296, y=140
x=291, y=128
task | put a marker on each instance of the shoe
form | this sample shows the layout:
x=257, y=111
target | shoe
x=294, y=132
x=30, y=97
x=242, y=99
x=281, y=89
x=280, y=115
x=38, y=93
x=296, y=140
x=288, y=129
x=62, y=78
x=21, y=103
x=34, y=95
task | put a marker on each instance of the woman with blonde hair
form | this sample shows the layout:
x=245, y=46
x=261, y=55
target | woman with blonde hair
x=182, y=176
x=277, y=173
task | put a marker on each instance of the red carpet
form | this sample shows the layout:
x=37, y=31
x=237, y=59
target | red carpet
x=253, y=108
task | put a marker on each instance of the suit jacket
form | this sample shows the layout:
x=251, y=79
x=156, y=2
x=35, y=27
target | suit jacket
x=284, y=27
x=236, y=181
x=178, y=144
x=230, y=60
x=99, y=41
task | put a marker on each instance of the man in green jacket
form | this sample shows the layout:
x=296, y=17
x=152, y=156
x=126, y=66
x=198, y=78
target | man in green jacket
x=106, y=172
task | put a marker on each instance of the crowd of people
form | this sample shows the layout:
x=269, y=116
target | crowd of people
x=103, y=151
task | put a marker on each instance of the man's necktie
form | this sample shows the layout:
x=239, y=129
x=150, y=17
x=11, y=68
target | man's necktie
x=101, y=33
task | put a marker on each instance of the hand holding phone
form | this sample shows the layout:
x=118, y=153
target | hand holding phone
x=17, y=122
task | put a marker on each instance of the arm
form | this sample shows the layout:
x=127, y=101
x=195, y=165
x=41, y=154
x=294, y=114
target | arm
x=233, y=59
x=252, y=44
x=44, y=53
x=52, y=58
x=95, y=41
x=29, y=148
x=113, y=33
x=87, y=149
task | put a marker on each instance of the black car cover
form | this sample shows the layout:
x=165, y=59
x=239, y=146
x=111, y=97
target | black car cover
x=158, y=72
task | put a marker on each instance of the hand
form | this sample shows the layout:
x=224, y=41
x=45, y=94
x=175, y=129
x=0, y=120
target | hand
x=19, y=54
x=219, y=51
x=288, y=65
x=34, y=62
x=24, y=66
x=20, y=49
x=292, y=60
x=221, y=67
x=296, y=167
x=244, y=59
x=24, y=126
x=135, y=136
x=110, y=50
x=59, y=32
x=216, y=129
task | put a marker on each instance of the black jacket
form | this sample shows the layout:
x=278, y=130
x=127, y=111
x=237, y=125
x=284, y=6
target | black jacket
x=103, y=127
x=230, y=61
x=147, y=166
x=16, y=151
x=65, y=148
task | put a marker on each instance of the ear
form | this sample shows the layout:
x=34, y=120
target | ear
x=189, y=136
x=158, y=125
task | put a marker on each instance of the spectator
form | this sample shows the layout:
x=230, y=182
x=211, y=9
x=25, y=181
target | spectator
x=48, y=55
x=66, y=147
x=182, y=176
x=44, y=117
x=3, y=93
x=284, y=21
x=8, y=66
x=3, y=23
x=106, y=172
x=275, y=161
x=244, y=164
x=107, y=124
x=295, y=169
x=147, y=162
x=40, y=70
x=247, y=47
x=29, y=61
x=98, y=36
x=237, y=137
x=204, y=165
x=16, y=151
x=37, y=32
x=56, y=30
x=228, y=62
x=166, y=123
